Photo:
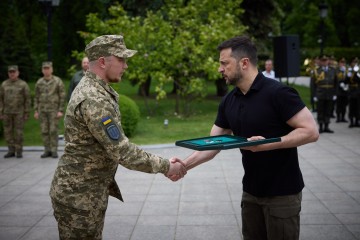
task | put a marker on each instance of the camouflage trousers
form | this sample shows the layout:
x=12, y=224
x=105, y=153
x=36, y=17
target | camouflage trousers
x=49, y=125
x=14, y=131
x=77, y=223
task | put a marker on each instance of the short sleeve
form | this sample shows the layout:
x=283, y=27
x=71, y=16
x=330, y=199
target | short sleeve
x=288, y=102
x=221, y=120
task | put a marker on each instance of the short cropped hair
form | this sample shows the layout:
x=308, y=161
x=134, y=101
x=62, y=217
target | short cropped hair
x=241, y=46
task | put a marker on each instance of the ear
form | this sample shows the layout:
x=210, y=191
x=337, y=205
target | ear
x=101, y=61
x=244, y=63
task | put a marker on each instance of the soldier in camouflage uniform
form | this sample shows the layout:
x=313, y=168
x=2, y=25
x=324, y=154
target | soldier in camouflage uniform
x=95, y=144
x=49, y=104
x=15, y=103
x=323, y=85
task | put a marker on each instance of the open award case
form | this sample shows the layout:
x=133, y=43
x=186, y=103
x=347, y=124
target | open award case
x=221, y=142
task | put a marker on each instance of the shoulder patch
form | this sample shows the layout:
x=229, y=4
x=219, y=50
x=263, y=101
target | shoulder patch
x=111, y=129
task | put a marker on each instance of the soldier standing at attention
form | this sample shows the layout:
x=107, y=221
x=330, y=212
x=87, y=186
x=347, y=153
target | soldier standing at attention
x=353, y=79
x=95, y=144
x=49, y=106
x=342, y=92
x=323, y=85
x=15, y=103
x=78, y=76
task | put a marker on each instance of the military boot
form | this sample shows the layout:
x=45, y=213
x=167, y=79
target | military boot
x=45, y=155
x=9, y=155
x=19, y=154
x=327, y=129
x=54, y=155
x=351, y=123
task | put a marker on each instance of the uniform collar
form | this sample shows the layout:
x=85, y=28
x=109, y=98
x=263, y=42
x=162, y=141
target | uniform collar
x=103, y=84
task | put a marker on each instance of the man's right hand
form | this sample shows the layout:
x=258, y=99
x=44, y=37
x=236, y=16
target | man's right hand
x=177, y=169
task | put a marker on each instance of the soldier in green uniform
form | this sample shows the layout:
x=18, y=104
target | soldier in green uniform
x=342, y=91
x=15, y=103
x=49, y=106
x=95, y=144
x=323, y=86
x=353, y=79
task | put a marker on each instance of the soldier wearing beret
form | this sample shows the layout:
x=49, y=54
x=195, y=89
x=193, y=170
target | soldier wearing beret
x=323, y=85
x=49, y=105
x=15, y=103
x=95, y=144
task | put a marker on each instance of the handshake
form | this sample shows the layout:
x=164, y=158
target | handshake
x=177, y=169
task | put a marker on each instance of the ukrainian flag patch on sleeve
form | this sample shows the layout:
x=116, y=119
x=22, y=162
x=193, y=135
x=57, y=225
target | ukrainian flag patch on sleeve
x=106, y=120
x=111, y=129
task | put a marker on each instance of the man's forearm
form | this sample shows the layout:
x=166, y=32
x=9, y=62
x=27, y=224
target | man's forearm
x=199, y=157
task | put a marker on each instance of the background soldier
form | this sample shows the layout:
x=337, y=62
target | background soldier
x=15, y=103
x=323, y=86
x=78, y=76
x=312, y=64
x=342, y=91
x=49, y=104
x=353, y=79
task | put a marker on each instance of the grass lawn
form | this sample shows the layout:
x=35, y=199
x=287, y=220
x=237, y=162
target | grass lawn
x=151, y=129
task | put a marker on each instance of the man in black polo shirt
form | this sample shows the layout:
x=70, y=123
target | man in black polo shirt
x=259, y=108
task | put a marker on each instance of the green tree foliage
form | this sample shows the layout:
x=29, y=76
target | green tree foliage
x=175, y=44
x=19, y=31
x=263, y=18
x=69, y=17
x=341, y=24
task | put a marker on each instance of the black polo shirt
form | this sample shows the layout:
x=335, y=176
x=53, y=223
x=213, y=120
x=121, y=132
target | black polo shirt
x=264, y=111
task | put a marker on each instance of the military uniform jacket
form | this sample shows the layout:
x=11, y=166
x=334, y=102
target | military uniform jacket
x=354, y=84
x=324, y=83
x=49, y=95
x=95, y=145
x=342, y=87
x=15, y=97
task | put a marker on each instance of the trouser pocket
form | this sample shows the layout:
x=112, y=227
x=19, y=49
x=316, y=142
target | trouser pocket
x=284, y=223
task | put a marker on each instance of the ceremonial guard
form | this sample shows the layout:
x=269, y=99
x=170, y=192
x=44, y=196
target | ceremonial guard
x=311, y=65
x=323, y=86
x=342, y=91
x=353, y=79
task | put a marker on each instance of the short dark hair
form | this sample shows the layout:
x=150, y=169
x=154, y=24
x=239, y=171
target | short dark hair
x=241, y=46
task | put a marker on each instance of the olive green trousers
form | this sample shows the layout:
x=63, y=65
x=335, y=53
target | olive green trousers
x=271, y=218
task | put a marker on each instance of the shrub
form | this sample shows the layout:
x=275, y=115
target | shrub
x=130, y=115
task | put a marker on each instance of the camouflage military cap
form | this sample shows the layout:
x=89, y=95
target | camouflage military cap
x=46, y=64
x=13, y=68
x=108, y=45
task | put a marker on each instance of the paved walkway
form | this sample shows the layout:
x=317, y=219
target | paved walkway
x=204, y=205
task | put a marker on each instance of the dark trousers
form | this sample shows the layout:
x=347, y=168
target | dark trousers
x=324, y=110
x=341, y=103
x=271, y=218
